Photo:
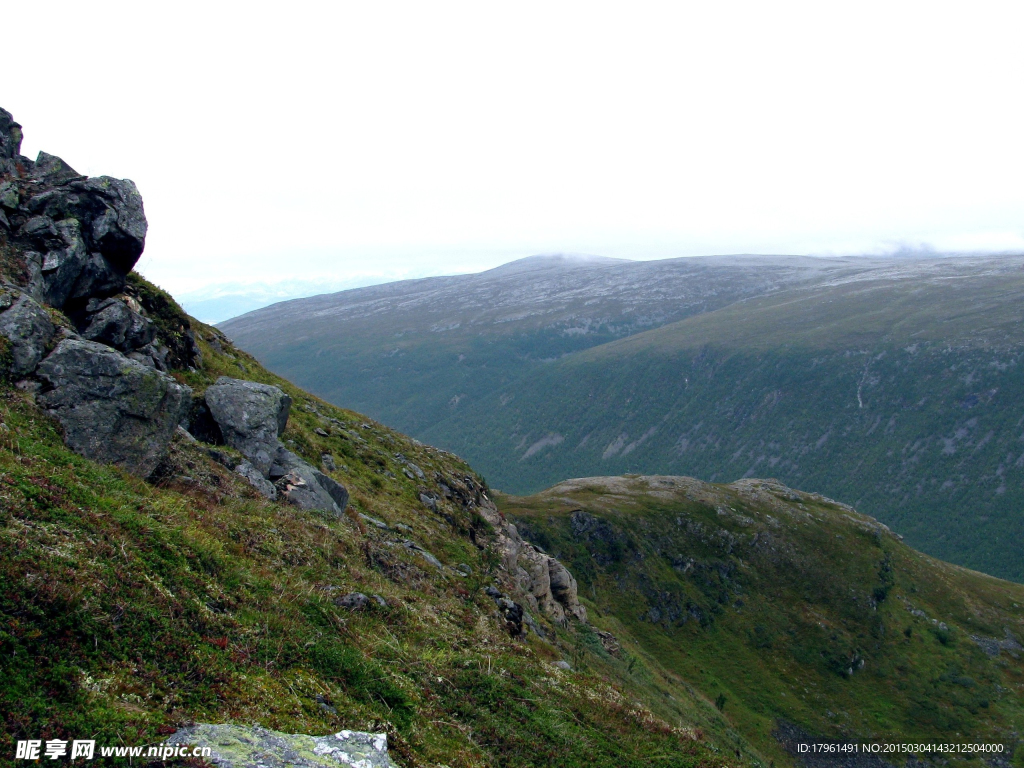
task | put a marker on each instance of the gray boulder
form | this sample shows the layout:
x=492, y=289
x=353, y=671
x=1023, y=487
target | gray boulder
x=256, y=480
x=236, y=746
x=89, y=232
x=113, y=409
x=28, y=329
x=305, y=486
x=250, y=417
x=115, y=324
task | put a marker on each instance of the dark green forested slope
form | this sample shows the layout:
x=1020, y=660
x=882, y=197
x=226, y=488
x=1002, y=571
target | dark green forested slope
x=902, y=397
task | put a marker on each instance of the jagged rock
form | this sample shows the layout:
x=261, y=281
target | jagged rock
x=98, y=235
x=12, y=162
x=256, y=480
x=80, y=237
x=429, y=502
x=235, y=746
x=28, y=329
x=53, y=170
x=115, y=324
x=546, y=584
x=250, y=417
x=113, y=409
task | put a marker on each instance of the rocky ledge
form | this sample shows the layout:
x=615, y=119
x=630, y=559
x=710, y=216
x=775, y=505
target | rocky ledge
x=75, y=334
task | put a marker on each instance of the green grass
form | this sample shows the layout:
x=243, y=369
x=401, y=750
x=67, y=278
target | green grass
x=768, y=602
x=129, y=608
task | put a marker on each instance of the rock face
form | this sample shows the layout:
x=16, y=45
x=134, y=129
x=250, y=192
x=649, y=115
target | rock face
x=547, y=584
x=113, y=409
x=28, y=329
x=80, y=236
x=234, y=746
x=69, y=242
x=250, y=417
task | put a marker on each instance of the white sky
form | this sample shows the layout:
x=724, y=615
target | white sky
x=294, y=140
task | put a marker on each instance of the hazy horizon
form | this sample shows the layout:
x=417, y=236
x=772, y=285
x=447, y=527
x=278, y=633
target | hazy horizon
x=353, y=142
x=218, y=302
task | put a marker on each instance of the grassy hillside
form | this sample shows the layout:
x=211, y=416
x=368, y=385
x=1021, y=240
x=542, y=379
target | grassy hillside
x=794, y=613
x=129, y=608
x=902, y=397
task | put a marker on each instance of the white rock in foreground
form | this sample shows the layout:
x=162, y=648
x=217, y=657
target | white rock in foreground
x=235, y=746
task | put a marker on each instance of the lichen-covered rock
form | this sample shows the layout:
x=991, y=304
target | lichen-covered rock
x=305, y=486
x=114, y=323
x=113, y=409
x=28, y=329
x=235, y=746
x=256, y=480
x=250, y=417
x=79, y=236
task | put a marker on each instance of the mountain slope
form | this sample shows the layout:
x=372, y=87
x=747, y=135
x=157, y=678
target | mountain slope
x=900, y=394
x=803, y=618
x=412, y=352
x=185, y=537
x=129, y=608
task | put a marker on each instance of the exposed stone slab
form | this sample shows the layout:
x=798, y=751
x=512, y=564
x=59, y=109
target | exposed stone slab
x=235, y=746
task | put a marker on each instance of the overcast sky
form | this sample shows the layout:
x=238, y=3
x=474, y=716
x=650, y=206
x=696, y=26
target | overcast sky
x=333, y=141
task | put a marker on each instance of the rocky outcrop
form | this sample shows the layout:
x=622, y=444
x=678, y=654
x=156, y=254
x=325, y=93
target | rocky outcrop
x=79, y=236
x=305, y=486
x=28, y=330
x=547, y=585
x=69, y=242
x=113, y=409
x=235, y=746
x=250, y=416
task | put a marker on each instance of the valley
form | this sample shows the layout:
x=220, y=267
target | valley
x=892, y=385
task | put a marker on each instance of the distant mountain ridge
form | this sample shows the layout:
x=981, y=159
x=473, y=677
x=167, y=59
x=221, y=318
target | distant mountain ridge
x=717, y=367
